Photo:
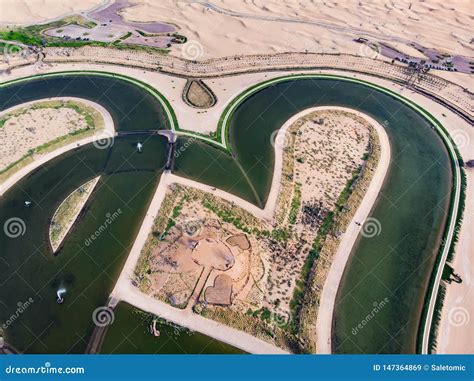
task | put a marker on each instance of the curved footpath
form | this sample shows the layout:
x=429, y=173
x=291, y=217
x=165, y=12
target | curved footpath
x=222, y=130
x=125, y=291
x=433, y=291
x=331, y=285
x=107, y=132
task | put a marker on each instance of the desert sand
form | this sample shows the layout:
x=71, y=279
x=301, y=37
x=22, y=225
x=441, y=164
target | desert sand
x=38, y=11
x=105, y=131
x=231, y=86
x=225, y=27
x=247, y=27
x=30, y=127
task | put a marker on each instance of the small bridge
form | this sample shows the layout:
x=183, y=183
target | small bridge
x=171, y=136
x=138, y=132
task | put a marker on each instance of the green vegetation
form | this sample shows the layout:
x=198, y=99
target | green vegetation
x=9, y=48
x=33, y=35
x=263, y=313
x=22, y=35
x=124, y=37
x=179, y=38
x=296, y=302
x=295, y=204
x=174, y=214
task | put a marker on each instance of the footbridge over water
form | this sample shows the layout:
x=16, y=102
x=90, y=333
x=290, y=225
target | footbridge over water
x=172, y=137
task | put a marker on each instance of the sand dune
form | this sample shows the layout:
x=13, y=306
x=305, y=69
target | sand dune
x=36, y=11
x=433, y=24
x=227, y=27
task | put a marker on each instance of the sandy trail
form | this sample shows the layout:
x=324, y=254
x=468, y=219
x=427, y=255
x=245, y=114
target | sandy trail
x=451, y=340
x=331, y=286
x=195, y=322
x=125, y=291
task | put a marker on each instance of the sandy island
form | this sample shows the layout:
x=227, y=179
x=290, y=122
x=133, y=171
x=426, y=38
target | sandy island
x=174, y=255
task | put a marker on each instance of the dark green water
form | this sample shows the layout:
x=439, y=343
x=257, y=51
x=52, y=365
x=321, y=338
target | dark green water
x=396, y=264
x=411, y=208
x=88, y=272
x=131, y=107
x=130, y=333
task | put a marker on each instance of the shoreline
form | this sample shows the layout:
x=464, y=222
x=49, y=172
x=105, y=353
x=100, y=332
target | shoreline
x=125, y=291
x=451, y=120
x=327, y=302
x=107, y=131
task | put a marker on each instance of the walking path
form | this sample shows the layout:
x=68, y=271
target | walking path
x=124, y=290
x=452, y=123
x=195, y=322
x=197, y=290
x=331, y=286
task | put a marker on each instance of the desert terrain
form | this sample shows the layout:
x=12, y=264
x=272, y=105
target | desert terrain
x=216, y=259
x=34, y=128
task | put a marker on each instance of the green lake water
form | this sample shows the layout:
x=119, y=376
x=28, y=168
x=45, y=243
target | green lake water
x=130, y=333
x=394, y=265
